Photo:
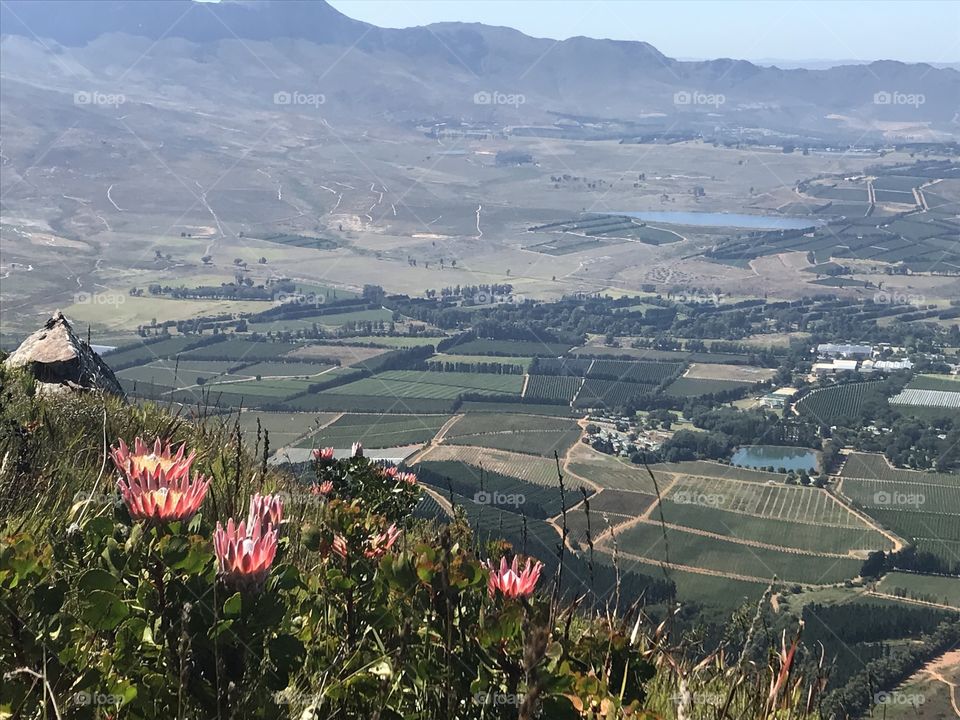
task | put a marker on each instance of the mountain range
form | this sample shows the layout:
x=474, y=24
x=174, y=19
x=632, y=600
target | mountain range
x=261, y=54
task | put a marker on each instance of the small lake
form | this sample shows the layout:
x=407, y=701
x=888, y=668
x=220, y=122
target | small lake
x=723, y=220
x=761, y=456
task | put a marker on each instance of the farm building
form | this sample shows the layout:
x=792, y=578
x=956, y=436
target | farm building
x=832, y=350
x=868, y=366
x=778, y=398
x=825, y=368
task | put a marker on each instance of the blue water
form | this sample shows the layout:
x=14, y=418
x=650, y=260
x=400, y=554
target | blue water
x=723, y=220
x=761, y=456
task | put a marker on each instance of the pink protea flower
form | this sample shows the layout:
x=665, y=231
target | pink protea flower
x=244, y=553
x=394, y=474
x=266, y=508
x=156, y=485
x=340, y=546
x=356, y=450
x=381, y=542
x=323, y=455
x=144, y=461
x=510, y=580
x=324, y=488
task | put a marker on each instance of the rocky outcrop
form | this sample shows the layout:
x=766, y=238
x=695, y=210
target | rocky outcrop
x=60, y=361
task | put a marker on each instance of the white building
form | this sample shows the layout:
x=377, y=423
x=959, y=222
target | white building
x=833, y=350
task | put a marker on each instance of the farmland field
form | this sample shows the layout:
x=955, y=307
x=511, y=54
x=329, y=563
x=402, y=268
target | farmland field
x=912, y=495
x=535, y=435
x=935, y=382
x=283, y=428
x=933, y=588
x=646, y=539
x=539, y=471
x=283, y=369
x=173, y=374
x=609, y=393
x=778, y=502
x=652, y=373
x=330, y=401
x=278, y=389
x=920, y=525
x=705, y=468
x=621, y=502
x=740, y=373
x=773, y=531
x=693, y=387
x=495, y=489
x=552, y=387
x=607, y=472
x=376, y=431
x=521, y=362
x=875, y=466
x=828, y=405
x=530, y=407
x=432, y=385
x=928, y=398
x=508, y=347
x=237, y=350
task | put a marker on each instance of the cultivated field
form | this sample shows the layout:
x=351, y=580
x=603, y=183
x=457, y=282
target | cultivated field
x=646, y=540
x=376, y=431
x=539, y=471
x=931, y=588
x=778, y=502
x=739, y=373
x=530, y=434
x=432, y=385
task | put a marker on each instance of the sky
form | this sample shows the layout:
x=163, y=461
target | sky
x=905, y=30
